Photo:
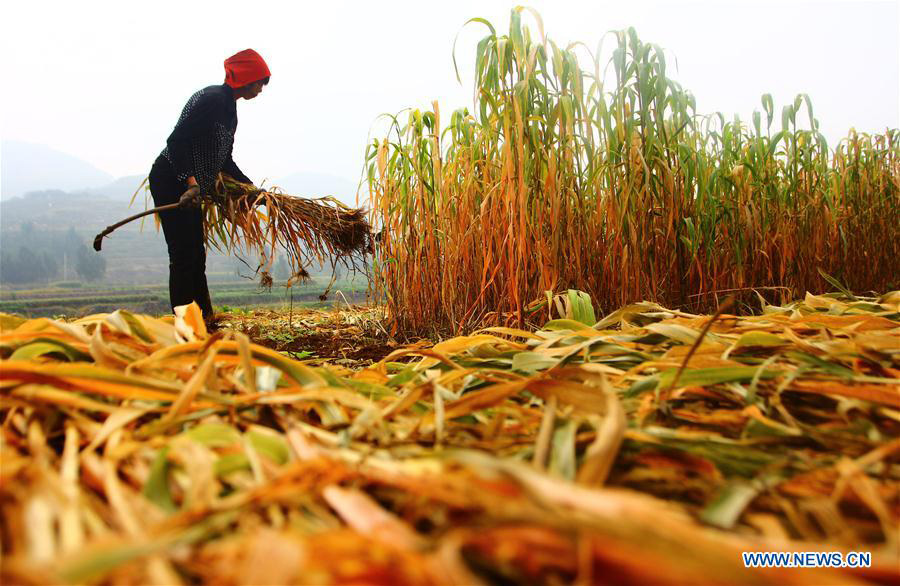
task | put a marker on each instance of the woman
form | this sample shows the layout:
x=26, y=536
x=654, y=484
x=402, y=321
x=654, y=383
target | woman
x=198, y=149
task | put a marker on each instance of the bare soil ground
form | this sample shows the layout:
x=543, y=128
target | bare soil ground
x=346, y=337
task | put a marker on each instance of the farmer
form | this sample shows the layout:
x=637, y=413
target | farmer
x=197, y=150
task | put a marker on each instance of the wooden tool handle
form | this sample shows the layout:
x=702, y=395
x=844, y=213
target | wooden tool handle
x=98, y=239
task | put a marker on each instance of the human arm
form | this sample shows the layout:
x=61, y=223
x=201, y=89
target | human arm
x=195, y=146
x=231, y=168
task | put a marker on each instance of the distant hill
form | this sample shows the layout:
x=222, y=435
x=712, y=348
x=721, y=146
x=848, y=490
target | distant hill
x=121, y=189
x=33, y=167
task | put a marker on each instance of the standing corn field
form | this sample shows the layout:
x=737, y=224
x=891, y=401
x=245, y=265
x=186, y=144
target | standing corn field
x=607, y=179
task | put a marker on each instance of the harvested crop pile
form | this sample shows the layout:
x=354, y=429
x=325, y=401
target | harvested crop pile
x=141, y=450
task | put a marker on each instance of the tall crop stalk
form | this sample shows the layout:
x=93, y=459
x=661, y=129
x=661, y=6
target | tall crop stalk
x=606, y=179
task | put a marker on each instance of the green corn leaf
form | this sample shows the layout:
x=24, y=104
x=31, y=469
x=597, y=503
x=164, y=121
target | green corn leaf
x=229, y=463
x=837, y=284
x=214, y=435
x=761, y=339
x=562, y=451
x=44, y=346
x=712, y=376
x=581, y=308
x=531, y=362
x=273, y=447
x=727, y=507
x=564, y=324
x=156, y=489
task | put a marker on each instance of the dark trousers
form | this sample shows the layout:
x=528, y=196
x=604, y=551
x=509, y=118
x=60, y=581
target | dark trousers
x=183, y=229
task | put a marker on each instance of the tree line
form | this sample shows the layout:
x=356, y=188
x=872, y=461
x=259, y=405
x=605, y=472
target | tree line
x=30, y=255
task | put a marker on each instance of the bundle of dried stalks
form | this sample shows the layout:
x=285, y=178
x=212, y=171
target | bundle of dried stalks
x=310, y=231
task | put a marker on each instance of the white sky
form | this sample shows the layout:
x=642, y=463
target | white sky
x=105, y=81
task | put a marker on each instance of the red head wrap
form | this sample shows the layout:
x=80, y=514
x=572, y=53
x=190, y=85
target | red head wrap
x=244, y=68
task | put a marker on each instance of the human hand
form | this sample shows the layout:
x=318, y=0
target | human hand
x=190, y=198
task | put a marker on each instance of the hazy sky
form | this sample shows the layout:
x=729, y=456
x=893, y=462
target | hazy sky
x=105, y=81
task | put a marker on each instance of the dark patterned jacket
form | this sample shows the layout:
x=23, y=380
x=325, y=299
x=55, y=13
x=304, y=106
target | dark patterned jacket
x=202, y=141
